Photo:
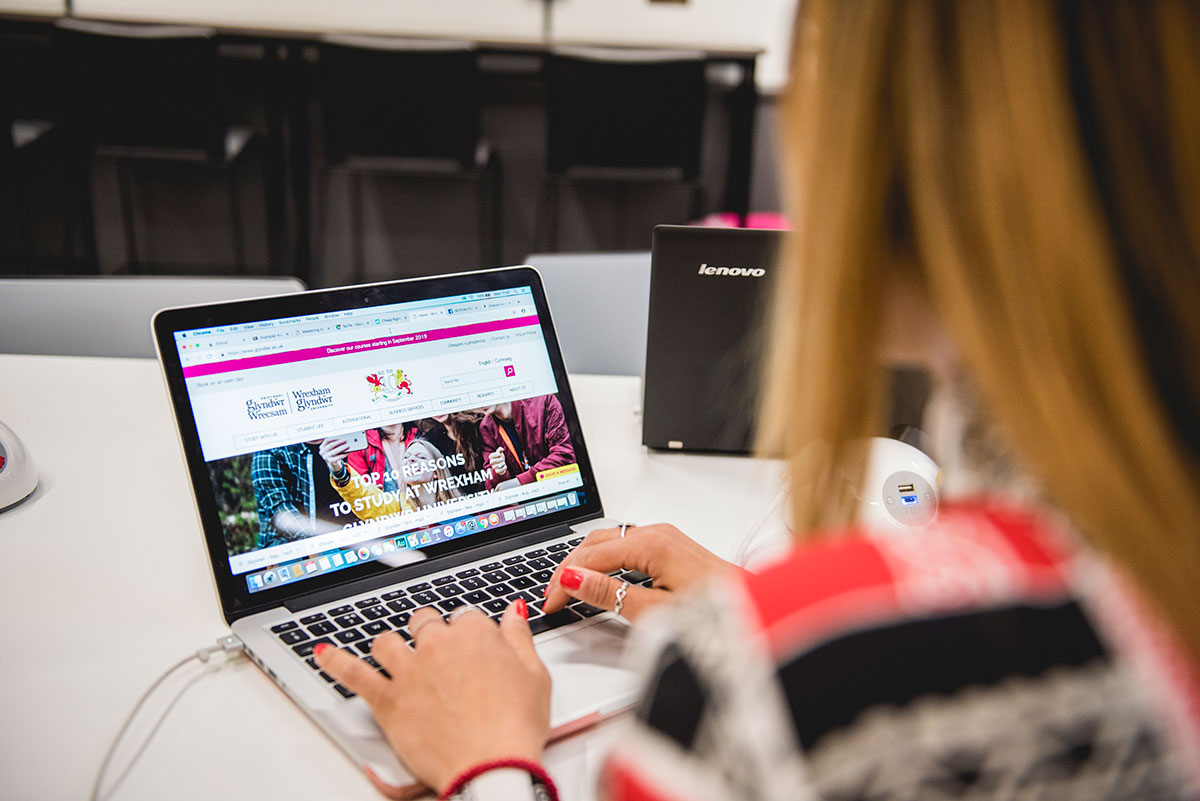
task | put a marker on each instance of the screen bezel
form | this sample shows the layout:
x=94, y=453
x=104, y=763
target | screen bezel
x=236, y=599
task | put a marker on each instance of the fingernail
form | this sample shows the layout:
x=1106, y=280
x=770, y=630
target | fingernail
x=319, y=648
x=546, y=591
x=571, y=579
x=522, y=609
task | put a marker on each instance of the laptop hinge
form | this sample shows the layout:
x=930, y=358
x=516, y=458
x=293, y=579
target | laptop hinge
x=330, y=594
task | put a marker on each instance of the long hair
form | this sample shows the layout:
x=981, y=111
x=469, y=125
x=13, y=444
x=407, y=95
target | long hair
x=1033, y=168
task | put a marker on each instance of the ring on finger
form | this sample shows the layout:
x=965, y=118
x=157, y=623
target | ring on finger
x=622, y=591
x=415, y=628
x=460, y=611
x=624, y=527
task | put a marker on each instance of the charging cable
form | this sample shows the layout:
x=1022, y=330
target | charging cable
x=230, y=644
x=745, y=549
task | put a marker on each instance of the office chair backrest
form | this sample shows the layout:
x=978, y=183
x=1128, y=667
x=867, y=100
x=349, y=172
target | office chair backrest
x=404, y=98
x=625, y=109
x=600, y=303
x=143, y=86
x=108, y=316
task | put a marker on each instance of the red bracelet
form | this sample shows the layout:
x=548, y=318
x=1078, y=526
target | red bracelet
x=532, y=768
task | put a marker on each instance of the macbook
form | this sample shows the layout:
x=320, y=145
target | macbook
x=359, y=453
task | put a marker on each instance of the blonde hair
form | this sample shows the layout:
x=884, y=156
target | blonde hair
x=1034, y=167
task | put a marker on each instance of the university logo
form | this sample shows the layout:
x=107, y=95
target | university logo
x=389, y=385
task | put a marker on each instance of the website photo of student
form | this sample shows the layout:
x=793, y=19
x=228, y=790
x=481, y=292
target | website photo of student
x=522, y=438
x=418, y=477
x=292, y=492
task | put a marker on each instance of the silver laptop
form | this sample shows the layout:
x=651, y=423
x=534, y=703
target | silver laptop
x=422, y=381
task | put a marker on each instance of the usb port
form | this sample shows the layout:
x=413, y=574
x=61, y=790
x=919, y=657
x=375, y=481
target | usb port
x=905, y=488
x=908, y=500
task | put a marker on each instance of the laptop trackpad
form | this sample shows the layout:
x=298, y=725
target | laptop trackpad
x=588, y=674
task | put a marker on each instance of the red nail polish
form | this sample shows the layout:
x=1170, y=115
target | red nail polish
x=522, y=609
x=546, y=591
x=319, y=648
x=570, y=578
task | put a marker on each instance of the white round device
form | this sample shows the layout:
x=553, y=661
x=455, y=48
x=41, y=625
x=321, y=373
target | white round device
x=18, y=479
x=900, y=487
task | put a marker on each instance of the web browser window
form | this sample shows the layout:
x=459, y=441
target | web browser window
x=338, y=438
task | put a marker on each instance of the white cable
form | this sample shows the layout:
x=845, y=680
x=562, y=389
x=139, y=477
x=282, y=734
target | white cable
x=230, y=644
x=743, y=550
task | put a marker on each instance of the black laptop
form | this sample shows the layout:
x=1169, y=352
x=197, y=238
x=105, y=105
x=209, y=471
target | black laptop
x=709, y=297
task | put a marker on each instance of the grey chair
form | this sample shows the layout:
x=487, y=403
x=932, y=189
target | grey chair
x=108, y=316
x=600, y=303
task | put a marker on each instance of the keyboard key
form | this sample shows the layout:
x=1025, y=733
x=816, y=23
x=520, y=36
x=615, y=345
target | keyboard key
x=312, y=618
x=426, y=598
x=541, y=563
x=450, y=590
x=496, y=605
x=542, y=576
x=477, y=597
x=425, y=585
x=340, y=610
x=349, y=635
x=282, y=627
x=398, y=621
x=558, y=557
x=499, y=589
x=473, y=583
x=440, y=580
x=522, y=582
x=306, y=648
x=512, y=560
x=547, y=622
x=375, y=612
x=326, y=676
x=321, y=627
x=312, y=663
x=558, y=546
x=365, y=645
x=393, y=595
x=519, y=570
x=402, y=605
x=370, y=660
x=490, y=566
x=587, y=610
x=495, y=577
x=575, y=541
x=450, y=604
x=462, y=574
x=535, y=554
x=634, y=577
x=346, y=621
x=293, y=636
x=365, y=602
x=345, y=693
x=375, y=627
x=529, y=599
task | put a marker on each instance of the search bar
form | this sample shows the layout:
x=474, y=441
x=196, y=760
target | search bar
x=474, y=377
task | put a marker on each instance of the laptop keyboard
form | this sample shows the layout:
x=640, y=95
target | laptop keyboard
x=490, y=586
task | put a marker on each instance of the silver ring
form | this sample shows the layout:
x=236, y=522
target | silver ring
x=622, y=591
x=623, y=527
x=459, y=612
x=414, y=630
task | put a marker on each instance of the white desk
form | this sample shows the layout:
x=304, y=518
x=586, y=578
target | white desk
x=104, y=582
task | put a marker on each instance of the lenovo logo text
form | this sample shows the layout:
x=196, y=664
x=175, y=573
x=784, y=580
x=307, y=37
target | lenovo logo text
x=748, y=272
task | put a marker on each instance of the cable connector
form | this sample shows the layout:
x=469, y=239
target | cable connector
x=230, y=644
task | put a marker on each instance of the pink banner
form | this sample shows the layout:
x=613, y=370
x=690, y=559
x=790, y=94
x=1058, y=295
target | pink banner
x=325, y=351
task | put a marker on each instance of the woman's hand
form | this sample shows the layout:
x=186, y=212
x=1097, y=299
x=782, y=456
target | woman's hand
x=663, y=552
x=333, y=450
x=471, y=692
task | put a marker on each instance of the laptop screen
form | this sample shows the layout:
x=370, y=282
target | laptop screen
x=364, y=436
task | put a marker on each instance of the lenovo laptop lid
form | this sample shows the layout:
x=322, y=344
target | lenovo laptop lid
x=709, y=295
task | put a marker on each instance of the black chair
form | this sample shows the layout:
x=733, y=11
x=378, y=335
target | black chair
x=412, y=108
x=151, y=93
x=623, y=116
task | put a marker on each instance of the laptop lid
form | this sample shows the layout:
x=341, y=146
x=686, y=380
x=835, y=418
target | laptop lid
x=709, y=295
x=410, y=388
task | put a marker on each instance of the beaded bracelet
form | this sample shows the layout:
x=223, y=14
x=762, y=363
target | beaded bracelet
x=532, y=768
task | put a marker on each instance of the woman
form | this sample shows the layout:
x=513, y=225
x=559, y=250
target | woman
x=417, y=477
x=1010, y=191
